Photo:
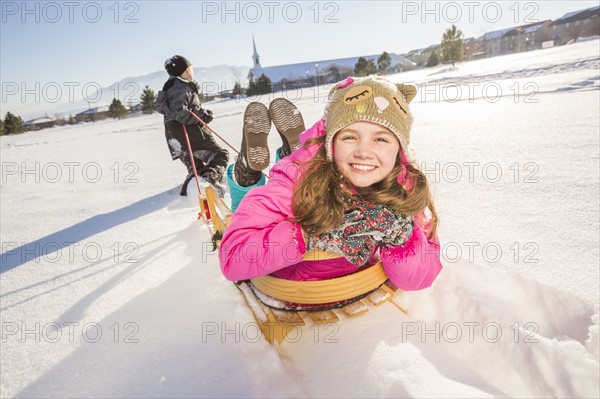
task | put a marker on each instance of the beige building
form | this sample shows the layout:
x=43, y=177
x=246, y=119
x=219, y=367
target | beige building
x=574, y=25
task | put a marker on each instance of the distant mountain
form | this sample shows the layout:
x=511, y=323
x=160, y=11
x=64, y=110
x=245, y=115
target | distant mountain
x=212, y=80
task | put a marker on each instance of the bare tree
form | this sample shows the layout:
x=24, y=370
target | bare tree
x=237, y=74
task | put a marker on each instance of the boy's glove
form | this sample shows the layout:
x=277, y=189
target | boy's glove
x=205, y=114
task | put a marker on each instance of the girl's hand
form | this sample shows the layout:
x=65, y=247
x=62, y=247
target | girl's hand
x=353, y=239
x=388, y=228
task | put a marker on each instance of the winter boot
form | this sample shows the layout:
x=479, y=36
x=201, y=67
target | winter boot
x=216, y=185
x=244, y=175
x=257, y=125
x=289, y=123
x=213, y=177
x=188, y=179
x=254, y=154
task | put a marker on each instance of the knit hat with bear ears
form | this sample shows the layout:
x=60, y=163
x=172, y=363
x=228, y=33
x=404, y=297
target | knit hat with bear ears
x=371, y=99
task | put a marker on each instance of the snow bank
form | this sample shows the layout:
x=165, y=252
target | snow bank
x=109, y=288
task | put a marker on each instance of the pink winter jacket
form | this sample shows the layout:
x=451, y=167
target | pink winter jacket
x=261, y=240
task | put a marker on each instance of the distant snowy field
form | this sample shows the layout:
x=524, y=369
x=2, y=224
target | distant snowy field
x=108, y=287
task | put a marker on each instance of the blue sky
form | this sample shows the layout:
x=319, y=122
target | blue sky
x=106, y=41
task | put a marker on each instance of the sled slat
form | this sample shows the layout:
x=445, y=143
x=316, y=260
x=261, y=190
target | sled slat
x=288, y=317
x=274, y=324
x=379, y=296
x=323, y=316
x=355, y=309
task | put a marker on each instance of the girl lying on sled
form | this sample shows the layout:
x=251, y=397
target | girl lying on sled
x=351, y=188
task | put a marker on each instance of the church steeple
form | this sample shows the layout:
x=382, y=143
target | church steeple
x=255, y=56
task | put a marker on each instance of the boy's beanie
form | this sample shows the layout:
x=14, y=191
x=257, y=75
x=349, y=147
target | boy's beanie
x=177, y=65
x=370, y=99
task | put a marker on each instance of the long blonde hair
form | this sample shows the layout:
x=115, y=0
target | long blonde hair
x=323, y=194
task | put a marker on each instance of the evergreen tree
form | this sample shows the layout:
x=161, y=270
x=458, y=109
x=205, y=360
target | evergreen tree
x=252, y=89
x=148, y=100
x=2, y=130
x=117, y=109
x=383, y=62
x=264, y=84
x=452, y=46
x=433, y=59
x=364, y=67
x=13, y=124
x=237, y=89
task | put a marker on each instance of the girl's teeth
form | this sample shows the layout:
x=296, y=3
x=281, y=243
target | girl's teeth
x=363, y=167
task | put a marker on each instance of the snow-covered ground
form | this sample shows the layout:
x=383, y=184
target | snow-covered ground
x=109, y=288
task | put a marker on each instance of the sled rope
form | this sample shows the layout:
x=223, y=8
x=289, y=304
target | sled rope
x=216, y=134
x=212, y=131
x=189, y=145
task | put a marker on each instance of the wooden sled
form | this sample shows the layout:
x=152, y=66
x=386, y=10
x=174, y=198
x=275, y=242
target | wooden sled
x=280, y=306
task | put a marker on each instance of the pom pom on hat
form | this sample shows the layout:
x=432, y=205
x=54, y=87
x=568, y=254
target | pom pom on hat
x=370, y=99
x=177, y=65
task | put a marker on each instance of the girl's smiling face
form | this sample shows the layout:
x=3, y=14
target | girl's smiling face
x=365, y=152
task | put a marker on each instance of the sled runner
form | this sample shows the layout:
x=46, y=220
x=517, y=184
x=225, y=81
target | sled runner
x=280, y=305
